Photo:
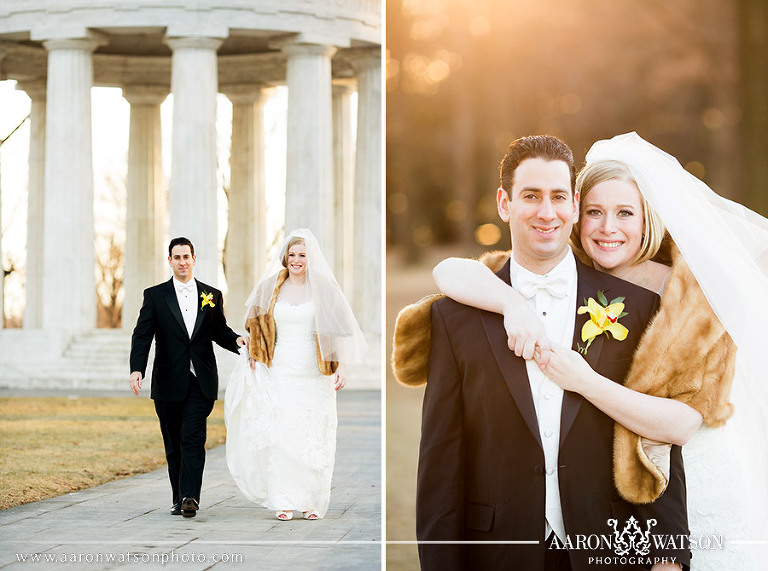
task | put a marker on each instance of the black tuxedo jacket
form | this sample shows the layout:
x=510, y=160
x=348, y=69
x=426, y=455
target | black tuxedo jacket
x=160, y=317
x=481, y=470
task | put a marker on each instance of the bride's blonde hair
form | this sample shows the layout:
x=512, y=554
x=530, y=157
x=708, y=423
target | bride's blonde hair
x=600, y=171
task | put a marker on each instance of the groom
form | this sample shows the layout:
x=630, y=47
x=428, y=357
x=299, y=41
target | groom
x=184, y=316
x=515, y=473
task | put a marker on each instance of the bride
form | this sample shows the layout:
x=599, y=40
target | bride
x=693, y=354
x=280, y=404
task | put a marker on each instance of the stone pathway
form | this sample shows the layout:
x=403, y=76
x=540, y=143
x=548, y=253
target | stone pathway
x=126, y=523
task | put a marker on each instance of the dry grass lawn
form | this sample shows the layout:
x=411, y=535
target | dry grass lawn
x=54, y=445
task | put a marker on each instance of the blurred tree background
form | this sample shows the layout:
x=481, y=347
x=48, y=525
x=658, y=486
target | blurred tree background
x=466, y=77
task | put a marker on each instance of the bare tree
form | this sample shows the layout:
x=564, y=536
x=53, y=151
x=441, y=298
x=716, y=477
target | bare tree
x=110, y=264
x=110, y=250
x=13, y=320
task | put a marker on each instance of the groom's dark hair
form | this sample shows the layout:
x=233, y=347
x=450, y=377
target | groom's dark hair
x=180, y=241
x=544, y=147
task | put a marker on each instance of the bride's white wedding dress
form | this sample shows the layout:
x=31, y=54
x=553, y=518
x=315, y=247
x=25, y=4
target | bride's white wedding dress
x=281, y=421
x=727, y=496
x=717, y=502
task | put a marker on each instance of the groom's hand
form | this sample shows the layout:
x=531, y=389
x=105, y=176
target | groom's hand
x=242, y=341
x=136, y=382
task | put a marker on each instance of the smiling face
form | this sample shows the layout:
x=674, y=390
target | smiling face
x=611, y=230
x=296, y=260
x=541, y=211
x=182, y=261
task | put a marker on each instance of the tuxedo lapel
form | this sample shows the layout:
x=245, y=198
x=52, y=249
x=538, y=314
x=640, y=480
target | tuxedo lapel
x=200, y=313
x=173, y=303
x=513, y=370
x=512, y=367
x=586, y=288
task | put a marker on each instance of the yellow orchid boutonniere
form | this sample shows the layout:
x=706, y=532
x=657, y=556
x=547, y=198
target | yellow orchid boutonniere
x=604, y=318
x=207, y=300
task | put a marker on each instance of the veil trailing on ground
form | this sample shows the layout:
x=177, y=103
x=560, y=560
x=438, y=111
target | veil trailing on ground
x=338, y=334
x=726, y=247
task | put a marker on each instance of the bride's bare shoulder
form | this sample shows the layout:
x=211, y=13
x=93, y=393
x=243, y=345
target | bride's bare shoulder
x=657, y=276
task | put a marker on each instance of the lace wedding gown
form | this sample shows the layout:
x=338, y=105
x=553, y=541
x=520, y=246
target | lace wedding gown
x=727, y=498
x=281, y=421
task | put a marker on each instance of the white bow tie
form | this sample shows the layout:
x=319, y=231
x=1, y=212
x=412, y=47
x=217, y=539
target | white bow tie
x=185, y=288
x=528, y=285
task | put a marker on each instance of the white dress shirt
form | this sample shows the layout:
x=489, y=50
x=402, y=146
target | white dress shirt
x=186, y=295
x=557, y=314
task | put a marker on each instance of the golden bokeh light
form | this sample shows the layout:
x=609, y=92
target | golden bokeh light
x=712, y=118
x=696, y=169
x=570, y=103
x=479, y=26
x=397, y=203
x=422, y=236
x=428, y=28
x=453, y=59
x=393, y=72
x=423, y=74
x=413, y=8
x=456, y=210
x=487, y=234
x=438, y=71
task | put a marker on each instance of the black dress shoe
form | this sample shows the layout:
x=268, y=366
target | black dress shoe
x=189, y=507
x=176, y=509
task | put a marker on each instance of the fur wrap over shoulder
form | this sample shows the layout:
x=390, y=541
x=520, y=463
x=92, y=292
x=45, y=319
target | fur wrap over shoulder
x=413, y=332
x=685, y=354
x=263, y=333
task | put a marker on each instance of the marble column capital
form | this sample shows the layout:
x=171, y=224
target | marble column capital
x=364, y=59
x=35, y=89
x=144, y=94
x=88, y=44
x=343, y=87
x=6, y=47
x=245, y=92
x=304, y=49
x=193, y=43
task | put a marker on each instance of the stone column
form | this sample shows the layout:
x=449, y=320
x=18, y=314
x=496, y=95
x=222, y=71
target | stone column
x=343, y=185
x=245, y=250
x=5, y=47
x=145, y=254
x=33, y=288
x=69, y=289
x=309, y=176
x=192, y=204
x=367, y=241
x=2, y=277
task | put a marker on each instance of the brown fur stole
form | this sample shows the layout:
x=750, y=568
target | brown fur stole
x=685, y=354
x=413, y=332
x=263, y=333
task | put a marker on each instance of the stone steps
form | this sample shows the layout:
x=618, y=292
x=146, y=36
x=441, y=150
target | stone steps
x=96, y=360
